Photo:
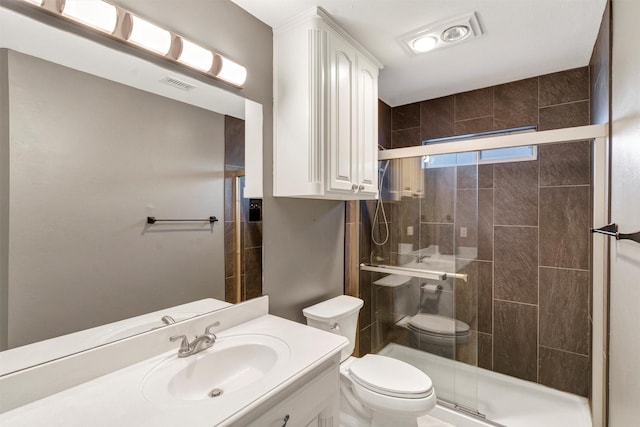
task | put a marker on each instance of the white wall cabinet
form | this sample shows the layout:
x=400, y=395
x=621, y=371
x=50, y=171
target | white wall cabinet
x=326, y=112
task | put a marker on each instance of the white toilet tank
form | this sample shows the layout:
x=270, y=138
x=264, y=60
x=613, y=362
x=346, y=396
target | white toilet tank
x=338, y=315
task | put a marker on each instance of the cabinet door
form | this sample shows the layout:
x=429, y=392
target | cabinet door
x=367, y=160
x=316, y=403
x=342, y=129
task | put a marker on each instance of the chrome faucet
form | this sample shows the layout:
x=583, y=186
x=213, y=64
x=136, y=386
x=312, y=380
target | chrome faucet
x=201, y=342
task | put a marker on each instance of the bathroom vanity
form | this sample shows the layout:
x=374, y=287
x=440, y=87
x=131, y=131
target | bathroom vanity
x=262, y=370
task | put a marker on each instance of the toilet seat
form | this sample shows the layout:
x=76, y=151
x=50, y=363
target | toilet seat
x=390, y=385
x=391, y=377
x=440, y=329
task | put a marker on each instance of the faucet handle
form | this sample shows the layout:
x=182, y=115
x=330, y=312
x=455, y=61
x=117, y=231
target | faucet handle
x=168, y=320
x=184, y=345
x=208, y=329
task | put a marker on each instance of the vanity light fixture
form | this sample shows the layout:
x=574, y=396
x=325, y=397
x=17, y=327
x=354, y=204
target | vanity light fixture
x=124, y=26
x=94, y=13
x=146, y=35
x=195, y=56
x=442, y=34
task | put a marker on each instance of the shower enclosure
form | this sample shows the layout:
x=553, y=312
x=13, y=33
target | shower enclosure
x=242, y=221
x=479, y=268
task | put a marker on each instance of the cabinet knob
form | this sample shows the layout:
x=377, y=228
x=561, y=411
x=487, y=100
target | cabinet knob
x=361, y=187
x=286, y=420
x=354, y=187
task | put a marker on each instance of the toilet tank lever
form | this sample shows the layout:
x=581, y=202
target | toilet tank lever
x=335, y=327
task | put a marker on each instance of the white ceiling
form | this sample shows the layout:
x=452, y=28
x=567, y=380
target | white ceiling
x=522, y=38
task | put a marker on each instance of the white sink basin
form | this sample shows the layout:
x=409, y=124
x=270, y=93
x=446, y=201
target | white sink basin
x=232, y=364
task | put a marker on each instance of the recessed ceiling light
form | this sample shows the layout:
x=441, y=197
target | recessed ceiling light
x=442, y=34
x=455, y=33
x=424, y=44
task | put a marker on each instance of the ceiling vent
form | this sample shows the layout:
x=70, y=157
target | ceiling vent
x=178, y=84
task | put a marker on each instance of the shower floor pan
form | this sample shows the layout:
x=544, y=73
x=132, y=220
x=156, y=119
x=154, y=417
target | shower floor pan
x=504, y=400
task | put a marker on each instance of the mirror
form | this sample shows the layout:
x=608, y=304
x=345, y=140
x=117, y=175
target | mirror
x=93, y=142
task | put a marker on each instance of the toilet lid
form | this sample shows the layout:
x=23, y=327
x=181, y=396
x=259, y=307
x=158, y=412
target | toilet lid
x=437, y=324
x=391, y=377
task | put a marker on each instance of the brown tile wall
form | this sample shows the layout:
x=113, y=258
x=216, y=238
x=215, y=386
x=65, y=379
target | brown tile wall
x=527, y=300
x=551, y=101
x=250, y=281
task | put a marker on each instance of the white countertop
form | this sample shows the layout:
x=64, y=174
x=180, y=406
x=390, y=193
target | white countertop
x=116, y=399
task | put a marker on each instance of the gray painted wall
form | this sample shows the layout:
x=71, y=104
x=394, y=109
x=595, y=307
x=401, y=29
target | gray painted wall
x=303, y=253
x=303, y=239
x=89, y=160
x=303, y=260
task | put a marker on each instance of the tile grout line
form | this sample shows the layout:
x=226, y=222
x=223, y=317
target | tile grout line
x=561, y=103
x=564, y=268
x=565, y=351
x=516, y=302
x=565, y=186
x=474, y=118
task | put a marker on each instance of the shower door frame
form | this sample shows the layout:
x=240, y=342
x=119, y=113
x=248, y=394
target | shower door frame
x=599, y=134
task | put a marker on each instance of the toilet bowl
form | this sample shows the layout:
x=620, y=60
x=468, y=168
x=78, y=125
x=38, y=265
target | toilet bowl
x=375, y=390
x=437, y=334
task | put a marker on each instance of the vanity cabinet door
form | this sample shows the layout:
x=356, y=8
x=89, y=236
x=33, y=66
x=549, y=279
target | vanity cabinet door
x=289, y=421
x=316, y=403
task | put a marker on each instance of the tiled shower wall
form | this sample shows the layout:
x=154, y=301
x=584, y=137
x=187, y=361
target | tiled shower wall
x=243, y=281
x=531, y=279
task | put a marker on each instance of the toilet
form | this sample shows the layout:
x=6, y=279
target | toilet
x=437, y=334
x=375, y=390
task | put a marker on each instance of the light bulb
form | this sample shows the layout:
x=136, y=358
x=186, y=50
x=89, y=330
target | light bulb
x=149, y=36
x=424, y=44
x=195, y=56
x=455, y=33
x=94, y=13
x=231, y=72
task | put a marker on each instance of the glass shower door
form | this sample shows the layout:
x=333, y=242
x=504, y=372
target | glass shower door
x=431, y=204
